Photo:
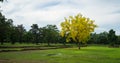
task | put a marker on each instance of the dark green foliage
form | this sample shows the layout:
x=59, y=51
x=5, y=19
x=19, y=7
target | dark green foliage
x=101, y=38
x=5, y=27
x=35, y=33
x=112, y=38
x=28, y=37
x=2, y=28
x=118, y=40
x=50, y=34
x=13, y=35
x=21, y=31
x=62, y=40
x=93, y=38
x=105, y=38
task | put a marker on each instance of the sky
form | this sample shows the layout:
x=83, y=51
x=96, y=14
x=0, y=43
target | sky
x=105, y=13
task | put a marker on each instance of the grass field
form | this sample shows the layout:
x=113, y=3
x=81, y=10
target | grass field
x=90, y=54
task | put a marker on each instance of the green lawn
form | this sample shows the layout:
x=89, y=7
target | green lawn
x=90, y=54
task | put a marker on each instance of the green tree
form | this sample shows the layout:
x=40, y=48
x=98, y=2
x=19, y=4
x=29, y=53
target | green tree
x=42, y=34
x=103, y=38
x=14, y=35
x=94, y=38
x=118, y=40
x=112, y=38
x=50, y=34
x=21, y=31
x=9, y=30
x=5, y=26
x=62, y=40
x=78, y=28
x=2, y=28
x=35, y=32
x=28, y=36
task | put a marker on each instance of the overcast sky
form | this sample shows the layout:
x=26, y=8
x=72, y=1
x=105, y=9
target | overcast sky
x=106, y=13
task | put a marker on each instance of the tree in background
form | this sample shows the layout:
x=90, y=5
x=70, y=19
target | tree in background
x=50, y=34
x=102, y=38
x=41, y=34
x=78, y=28
x=93, y=38
x=112, y=38
x=118, y=40
x=14, y=35
x=2, y=28
x=28, y=37
x=35, y=32
x=62, y=40
x=21, y=30
x=5, y=25
x=9, y=30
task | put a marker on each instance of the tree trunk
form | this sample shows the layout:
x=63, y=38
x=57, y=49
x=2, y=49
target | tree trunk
x=79, y=45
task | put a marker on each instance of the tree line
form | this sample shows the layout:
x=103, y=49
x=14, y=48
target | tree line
x=47, y=34
x=11, y=33
x=109, y=38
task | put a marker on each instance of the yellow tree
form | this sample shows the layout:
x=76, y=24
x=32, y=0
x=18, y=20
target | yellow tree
x=77, y=28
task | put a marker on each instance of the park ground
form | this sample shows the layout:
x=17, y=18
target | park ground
x=89, y=54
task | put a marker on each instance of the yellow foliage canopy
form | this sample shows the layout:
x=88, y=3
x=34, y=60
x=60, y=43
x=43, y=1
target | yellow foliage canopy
x=77, y=27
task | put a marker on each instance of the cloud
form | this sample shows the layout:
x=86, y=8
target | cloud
x=105, y=12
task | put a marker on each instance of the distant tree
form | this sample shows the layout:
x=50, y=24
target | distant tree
x=62, y=40
x=21, y=30
x=50, y=34
x=42, y=34
x=112, y=38
x=103, y=38
x=35, y=32
x=14, y=35
x=4, y=27
x=78, y=28
x=9, y=30
x=2, y=30
x=118, y=40
x=28, y=37
x=94, y=38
